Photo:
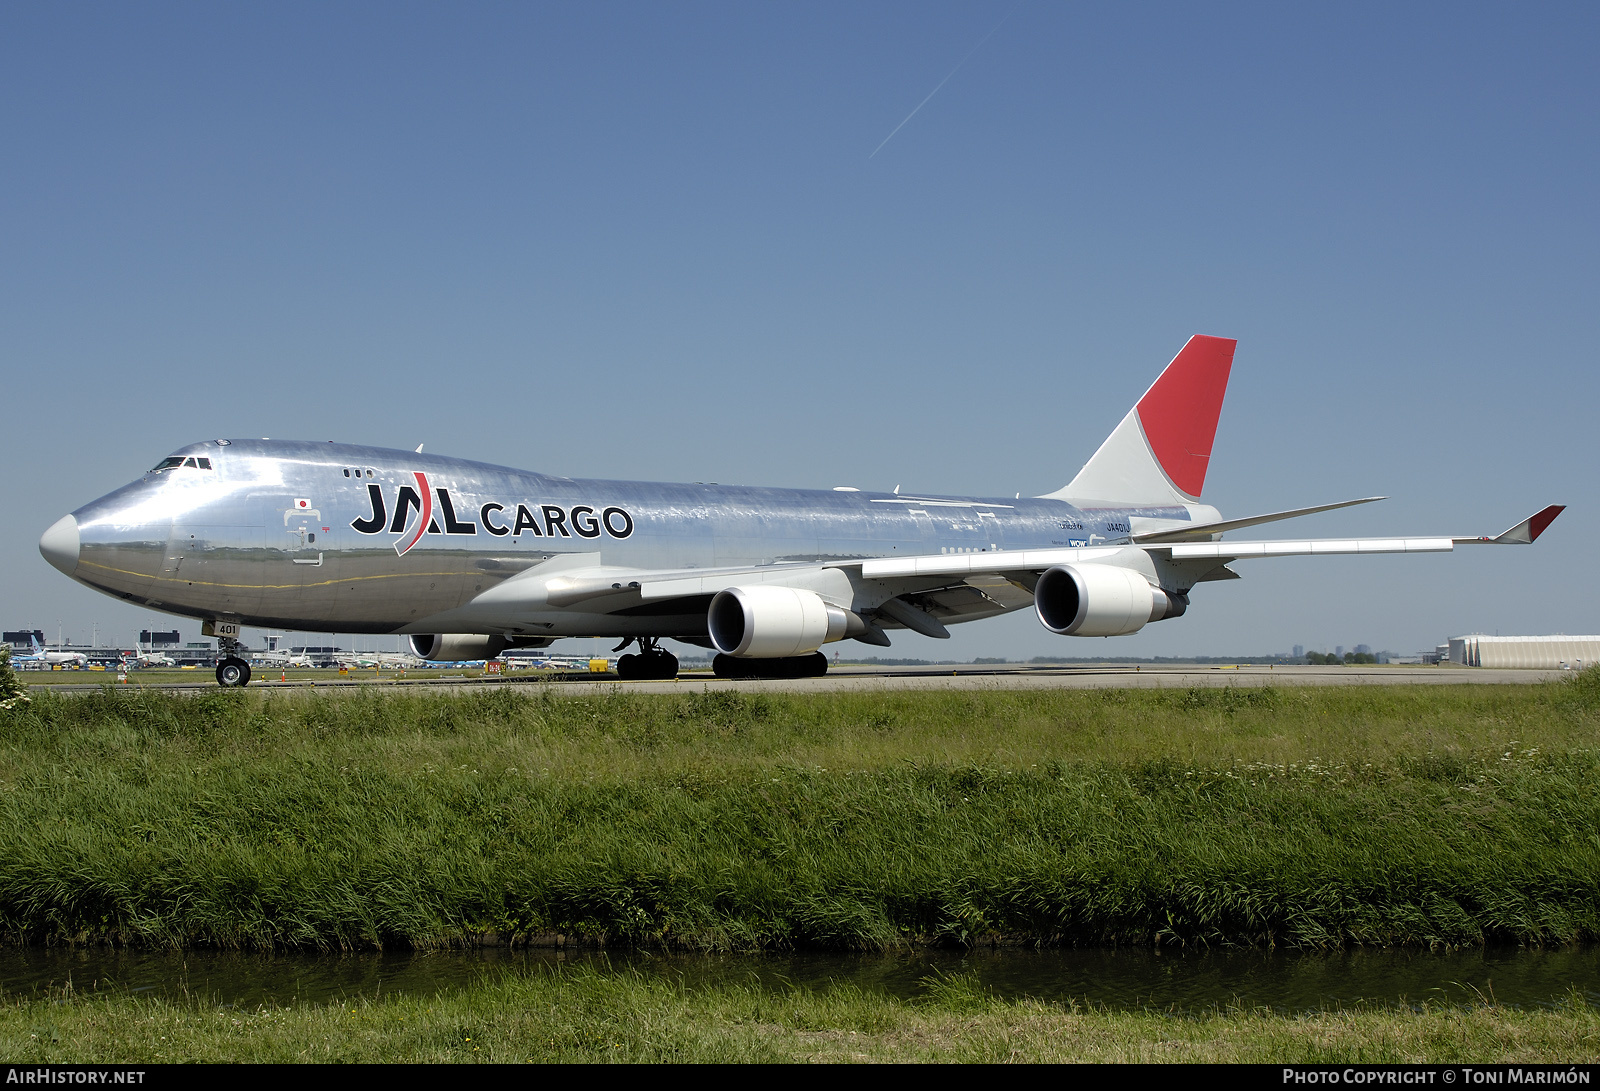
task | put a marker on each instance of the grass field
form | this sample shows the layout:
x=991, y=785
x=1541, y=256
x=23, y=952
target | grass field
x=587, y=1015
x=171, y=676
x=1318, y=817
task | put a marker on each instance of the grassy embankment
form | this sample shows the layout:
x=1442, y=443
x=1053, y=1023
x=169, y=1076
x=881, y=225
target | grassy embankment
x=1320, y=816
x=590, y=1015
x=204, y=676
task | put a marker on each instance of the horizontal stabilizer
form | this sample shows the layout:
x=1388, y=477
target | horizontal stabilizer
x=1203, y=530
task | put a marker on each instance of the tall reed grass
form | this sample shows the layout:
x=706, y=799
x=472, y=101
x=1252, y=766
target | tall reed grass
x=1428, y=815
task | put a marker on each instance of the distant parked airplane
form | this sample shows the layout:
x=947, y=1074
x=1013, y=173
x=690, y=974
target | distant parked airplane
x=282, y=658
x=470, y=559
x=381, y=660
x=41, y=654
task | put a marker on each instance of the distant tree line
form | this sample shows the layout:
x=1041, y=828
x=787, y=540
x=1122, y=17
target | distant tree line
x=1329, y=659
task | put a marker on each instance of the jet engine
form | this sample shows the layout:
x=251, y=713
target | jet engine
x=1101, y=600
x=773, y=622
x=456, y=647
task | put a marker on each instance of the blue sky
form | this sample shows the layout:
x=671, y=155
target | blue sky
x=652, y=241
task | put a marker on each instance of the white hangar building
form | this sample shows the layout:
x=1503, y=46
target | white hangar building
x=1536, y=652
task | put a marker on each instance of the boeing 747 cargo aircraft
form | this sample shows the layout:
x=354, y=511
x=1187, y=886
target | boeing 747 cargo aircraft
x=470, y=559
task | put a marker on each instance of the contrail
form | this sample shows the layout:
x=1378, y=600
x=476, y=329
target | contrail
x=946, y=80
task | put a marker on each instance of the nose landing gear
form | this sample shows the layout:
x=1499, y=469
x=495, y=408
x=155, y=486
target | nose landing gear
x=231, y=669
x=652, y=664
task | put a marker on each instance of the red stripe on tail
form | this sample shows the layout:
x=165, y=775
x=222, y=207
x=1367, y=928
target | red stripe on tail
x=1179, y=413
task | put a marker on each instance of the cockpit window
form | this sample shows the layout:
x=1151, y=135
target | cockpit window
x=173, y=462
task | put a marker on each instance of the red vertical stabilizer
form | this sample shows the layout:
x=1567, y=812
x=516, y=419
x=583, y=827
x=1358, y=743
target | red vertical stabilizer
x=1159, y=454
x=1179, y=412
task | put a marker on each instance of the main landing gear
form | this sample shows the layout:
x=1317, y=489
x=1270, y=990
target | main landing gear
x=814, y=665
x=652, y=664
x=231, y=670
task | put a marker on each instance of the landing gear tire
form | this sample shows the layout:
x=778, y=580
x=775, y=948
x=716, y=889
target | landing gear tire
x=656, y=666
x=233, y=672
x=814, y=665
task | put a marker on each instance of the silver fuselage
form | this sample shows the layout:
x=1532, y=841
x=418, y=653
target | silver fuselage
x=300, y=535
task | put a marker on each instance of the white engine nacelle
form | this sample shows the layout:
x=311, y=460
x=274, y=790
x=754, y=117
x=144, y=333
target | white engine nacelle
x=1100, y=600
x=456, y=647
x=772, y=622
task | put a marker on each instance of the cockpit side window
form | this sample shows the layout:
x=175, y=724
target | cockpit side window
x=189, y=462
x=205, y=463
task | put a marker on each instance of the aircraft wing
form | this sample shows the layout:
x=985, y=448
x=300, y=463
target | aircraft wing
x=912, y=592
x=1024, y=560
x=574, y=587
x=1524, y=533
x=579, y=580
x=609, y=588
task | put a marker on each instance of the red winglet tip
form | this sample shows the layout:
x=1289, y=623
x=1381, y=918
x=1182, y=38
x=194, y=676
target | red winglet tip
x=1537, y=524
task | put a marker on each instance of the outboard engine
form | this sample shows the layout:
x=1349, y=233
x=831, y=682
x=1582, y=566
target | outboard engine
x=1101, y=600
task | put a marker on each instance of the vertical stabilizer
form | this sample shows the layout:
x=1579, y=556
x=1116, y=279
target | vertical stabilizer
x=1159, y=454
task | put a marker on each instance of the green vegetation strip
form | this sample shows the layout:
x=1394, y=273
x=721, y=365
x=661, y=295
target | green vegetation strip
x=589, y=1015
x=1322, y=816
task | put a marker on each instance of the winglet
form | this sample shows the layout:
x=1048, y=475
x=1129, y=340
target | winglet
x=1526, y=532
x=1529, y=529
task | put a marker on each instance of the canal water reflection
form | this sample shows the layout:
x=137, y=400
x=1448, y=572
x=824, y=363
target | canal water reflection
x=1174, y=980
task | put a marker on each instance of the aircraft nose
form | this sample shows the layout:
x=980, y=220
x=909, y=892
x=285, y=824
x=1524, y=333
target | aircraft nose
x=59, y=544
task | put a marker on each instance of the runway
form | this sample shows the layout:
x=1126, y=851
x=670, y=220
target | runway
x=954, y=677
